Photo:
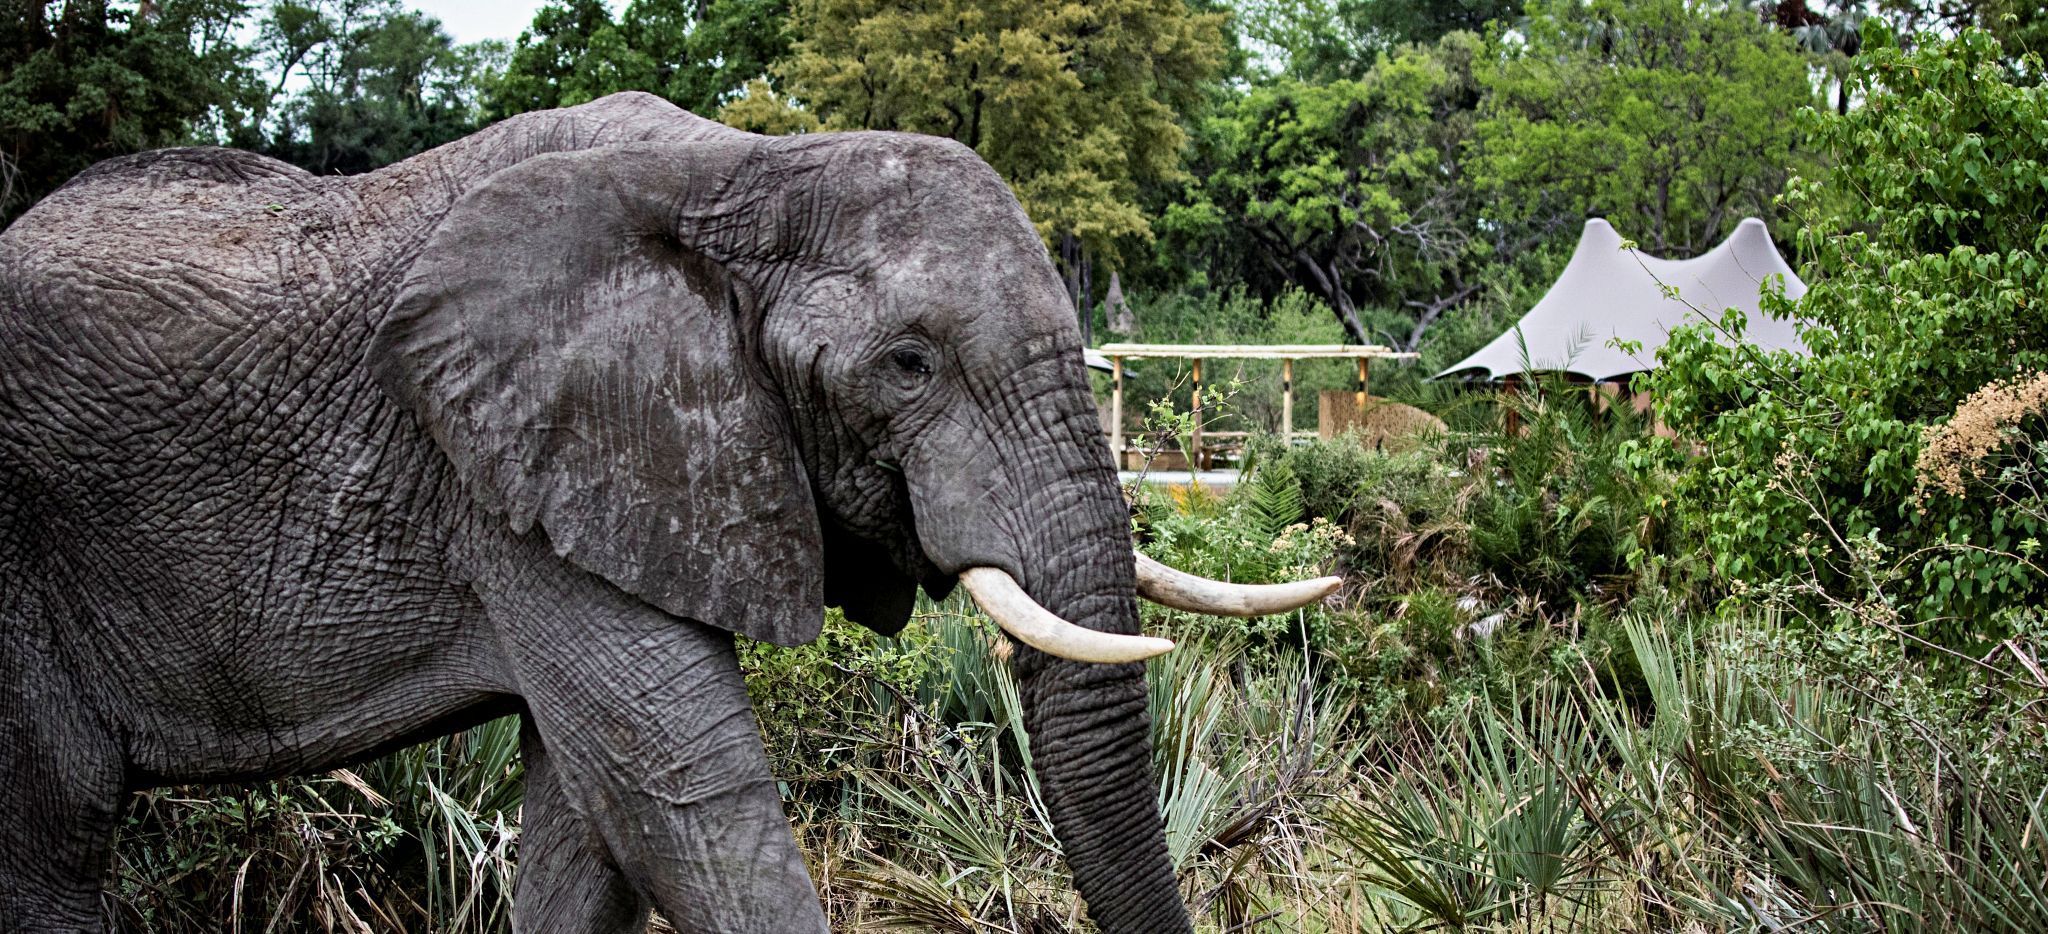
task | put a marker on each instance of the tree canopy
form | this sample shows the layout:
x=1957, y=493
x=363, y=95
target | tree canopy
x=1398, y=160
x=380, y=83
x=1075, y=105
x=696, y=53
x=1925, y=238
x=84, y=80
x=1318, y=40
x=1674, y=120
x=1352, y=189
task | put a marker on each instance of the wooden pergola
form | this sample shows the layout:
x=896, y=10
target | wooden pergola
x=1364, y=354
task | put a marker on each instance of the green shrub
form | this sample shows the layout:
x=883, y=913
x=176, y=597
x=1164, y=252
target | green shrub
x=1924, y=252
x=1564, y=518
x=1553, y=510
x=423, y=839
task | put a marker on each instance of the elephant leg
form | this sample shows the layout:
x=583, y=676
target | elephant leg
x=567, y=882
x=648, y=731
x=60, y=785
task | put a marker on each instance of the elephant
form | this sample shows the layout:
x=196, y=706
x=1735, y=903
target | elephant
x=299, y=470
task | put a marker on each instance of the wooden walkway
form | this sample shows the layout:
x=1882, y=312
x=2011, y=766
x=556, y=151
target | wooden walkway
x=1285, y=353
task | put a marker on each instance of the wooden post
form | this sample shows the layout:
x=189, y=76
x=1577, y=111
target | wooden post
x=1511, y=420
x=1364, y=365
x=1116, y=411
x=1286, y=401
x=1195, y=439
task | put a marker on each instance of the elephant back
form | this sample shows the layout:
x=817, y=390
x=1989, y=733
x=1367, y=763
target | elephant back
x=210, y=310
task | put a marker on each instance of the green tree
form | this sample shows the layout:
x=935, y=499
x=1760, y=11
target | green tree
x=2021, y=26
x=85, y=80
x=1322, y=40
x=1925, y=249
x=698, y=54
x=1399, y=21
x=559, y=61
x=760, y=109
x=1076, y=105
x=1671, y=118
x=380, y=83
x=1352, y=189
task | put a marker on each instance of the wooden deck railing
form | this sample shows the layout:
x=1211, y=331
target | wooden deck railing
x=1364, y=354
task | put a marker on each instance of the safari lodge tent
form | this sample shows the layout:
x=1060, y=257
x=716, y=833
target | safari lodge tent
x=1607, y=293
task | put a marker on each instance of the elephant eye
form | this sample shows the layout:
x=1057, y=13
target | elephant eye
x=910, y=361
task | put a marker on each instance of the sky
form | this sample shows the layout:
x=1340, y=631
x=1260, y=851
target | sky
x=474, y=20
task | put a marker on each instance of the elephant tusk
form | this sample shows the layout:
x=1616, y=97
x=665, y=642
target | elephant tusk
x=1183, y=591
x=999, y=596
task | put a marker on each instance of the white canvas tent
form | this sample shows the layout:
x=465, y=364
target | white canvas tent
x=1605, y=293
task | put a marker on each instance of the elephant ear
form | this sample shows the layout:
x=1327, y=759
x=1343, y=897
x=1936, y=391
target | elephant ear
x=573, y=339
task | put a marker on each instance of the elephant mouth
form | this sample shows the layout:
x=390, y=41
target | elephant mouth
x=999, y=595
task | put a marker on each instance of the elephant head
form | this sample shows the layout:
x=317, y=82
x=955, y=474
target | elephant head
x=742, y=378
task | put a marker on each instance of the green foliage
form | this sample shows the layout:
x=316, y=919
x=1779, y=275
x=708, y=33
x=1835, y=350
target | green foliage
x=380, y=83
x=698, y=55
x=1564, y=520
x=1924, y=246
x=1772, y=778
x=85, y=80
x=1351, y=189
x=1542, y=503
x=1672, y=119
x=1257, y=535
x=1495, y=831
x=1867, y=783
x=562, y=59
x=1073, y=104
x=702, y=54
x=1324, y=40
x=2020, y=26
x=424, y=839
x=1398, y=21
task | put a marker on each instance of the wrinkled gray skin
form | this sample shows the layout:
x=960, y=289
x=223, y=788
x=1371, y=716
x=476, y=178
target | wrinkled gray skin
x=295, y=471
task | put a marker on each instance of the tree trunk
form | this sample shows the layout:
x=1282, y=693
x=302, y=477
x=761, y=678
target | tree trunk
x=1433, y=310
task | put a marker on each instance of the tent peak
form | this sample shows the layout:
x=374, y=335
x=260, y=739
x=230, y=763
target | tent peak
x=1608, y=312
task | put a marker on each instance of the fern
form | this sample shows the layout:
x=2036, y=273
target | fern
x=1272, y=499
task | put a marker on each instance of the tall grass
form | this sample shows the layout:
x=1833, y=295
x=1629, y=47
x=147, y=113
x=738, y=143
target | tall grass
x=422, y=840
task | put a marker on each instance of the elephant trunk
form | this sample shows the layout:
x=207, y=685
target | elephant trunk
x=1091, y=744
x=1090, y=735
x=1042, y=506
